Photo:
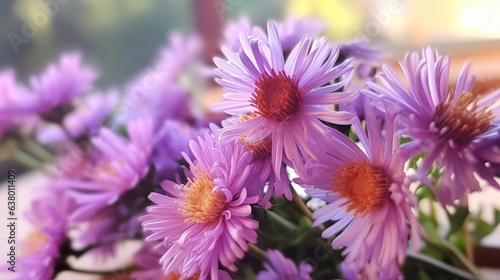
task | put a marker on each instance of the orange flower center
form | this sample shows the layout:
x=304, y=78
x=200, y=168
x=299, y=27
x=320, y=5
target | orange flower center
x=177, y=276
x=363, y=185
x=202, y=204
x=33, y=243
x=277, y=96
x=261, y=148
x=461, y=121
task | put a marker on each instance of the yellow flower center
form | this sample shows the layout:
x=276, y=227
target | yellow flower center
x=202, y=204
x=363, y=185
x=33, y=243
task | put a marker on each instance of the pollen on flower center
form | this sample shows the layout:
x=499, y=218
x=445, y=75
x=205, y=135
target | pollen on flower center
x=277, y=96
x=363, y=185
x=202, y=204
x=177, y=276
x=461, y=121
x=33, y=243
x=261, y=148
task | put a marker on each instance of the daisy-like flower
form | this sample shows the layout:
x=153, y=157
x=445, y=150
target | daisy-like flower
x=367, y=196
x=118, y=167
x=280, y=267
x=15, y=102
x=206, y=220
x=444, y=122
x=89, y=113
x=59, y=84
x=41, y=251
x=289, y=98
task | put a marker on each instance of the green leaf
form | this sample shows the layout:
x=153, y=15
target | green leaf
x=457, y=219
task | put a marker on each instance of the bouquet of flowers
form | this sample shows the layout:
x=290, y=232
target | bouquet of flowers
x=312, y=166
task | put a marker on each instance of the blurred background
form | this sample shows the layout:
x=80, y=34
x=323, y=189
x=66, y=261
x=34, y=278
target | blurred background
x=121, y=37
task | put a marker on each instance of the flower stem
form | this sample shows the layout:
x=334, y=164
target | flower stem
x=277, y=218
x=26, y=159
x=38, y=150
x=258, y=252
x=302, y=206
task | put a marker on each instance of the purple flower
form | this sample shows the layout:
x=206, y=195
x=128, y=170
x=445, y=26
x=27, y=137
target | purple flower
x=280, y=267
x=60, y=83
x=118, y=167
x=85, y=119
x=169, y=143
x=89, y=113
x=367, y=196
x=40, y=252
x=289, y=98
x=444, y=122
x=16, y=104
x=206, y=220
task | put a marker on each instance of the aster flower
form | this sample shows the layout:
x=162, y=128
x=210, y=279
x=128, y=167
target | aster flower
x=60, y=83
x=16, y=104
x=89, y=113
x=206, y=220
x=444, y=122
x=288, y=97
x=280, y=267
x=367, y=195
x=40, y=252
x=118, y=167
x=85, y=119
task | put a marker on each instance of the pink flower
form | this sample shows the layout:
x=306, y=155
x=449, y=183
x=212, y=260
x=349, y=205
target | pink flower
x=443, y=122
x=207, y=219
x=60, y=83
x=367, y=196
x=288, y=97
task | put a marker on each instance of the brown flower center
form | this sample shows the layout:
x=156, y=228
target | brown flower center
x=277, y=96
x=202, y=204
x=461, y=121
x=363, y=185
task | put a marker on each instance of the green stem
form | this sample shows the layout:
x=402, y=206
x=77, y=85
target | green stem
x=277, y=218
x=258, y=252
x=26, y=159
x=302, y=206
x=448, y=269
x=38, y=150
